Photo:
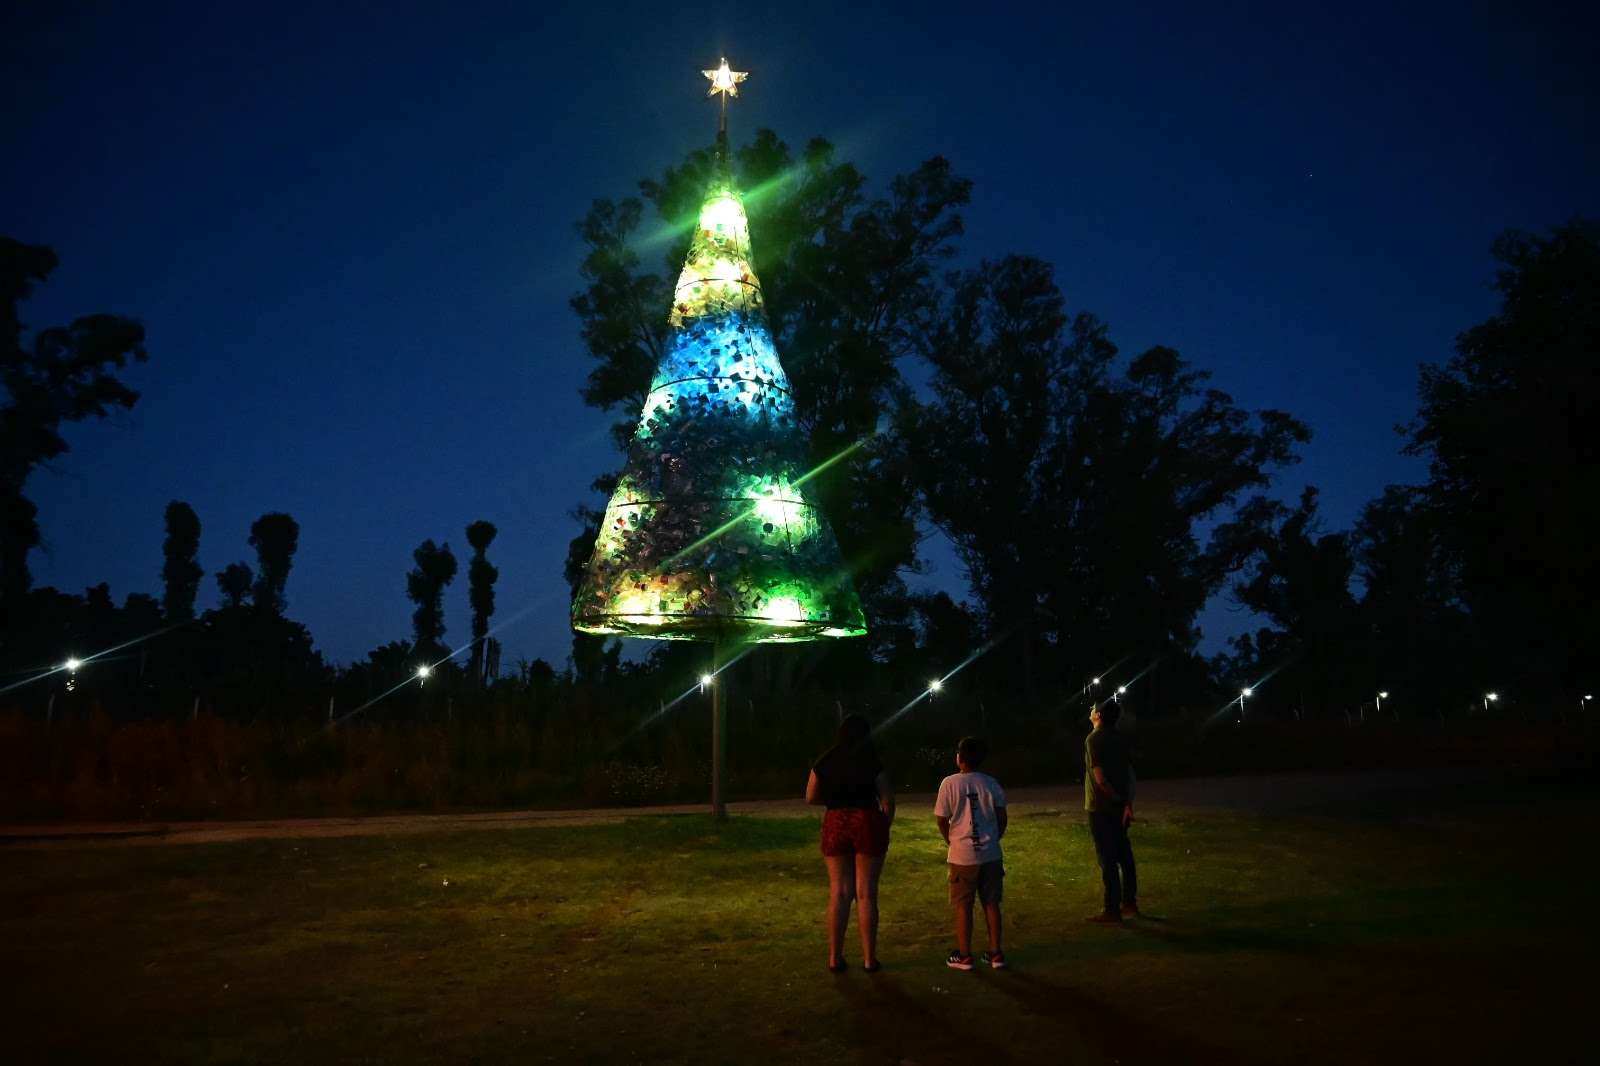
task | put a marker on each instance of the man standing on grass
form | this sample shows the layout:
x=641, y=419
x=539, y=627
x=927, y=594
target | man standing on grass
x=1108, y=797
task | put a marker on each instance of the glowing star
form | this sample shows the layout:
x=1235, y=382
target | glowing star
x=724, y=80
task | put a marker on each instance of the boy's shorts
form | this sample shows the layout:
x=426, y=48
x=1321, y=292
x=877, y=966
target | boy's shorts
x=984, y=881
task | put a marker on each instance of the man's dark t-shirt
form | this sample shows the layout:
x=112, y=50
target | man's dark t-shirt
x=1106, y=749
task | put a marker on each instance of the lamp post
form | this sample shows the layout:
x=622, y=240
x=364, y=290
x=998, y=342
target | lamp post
x=1088, y=689
x=1244, y=694
x=422, y=674
x=935, y=686
x=71, y=667
x=1583, y=703
x=1122, y=690
x=1488, y=698
x=1378, y=709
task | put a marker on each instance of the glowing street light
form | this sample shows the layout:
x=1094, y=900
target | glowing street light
x=71, y=665
x=1582, y=700
x=706, y=681
x=1488, y=698
x=1122, y=690
x=936, y=686
x=422, y=673
x=1244, y=694
x=1381, y=697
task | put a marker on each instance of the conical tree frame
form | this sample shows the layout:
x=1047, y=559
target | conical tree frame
x=710, y=533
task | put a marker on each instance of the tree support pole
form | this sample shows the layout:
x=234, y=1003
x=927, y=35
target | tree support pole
x=719, y=736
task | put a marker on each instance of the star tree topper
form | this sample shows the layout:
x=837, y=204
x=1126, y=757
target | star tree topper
x=724, y=80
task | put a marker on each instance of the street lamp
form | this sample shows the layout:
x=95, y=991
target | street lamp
x=705, y=681
x=1121, y=691
x=1488, y=698
x=1583, y=700
x=1093, y=681
x=936, y=686
x=71, y=665
x=1381, y=697
x=422, y=674
x=1244, y=694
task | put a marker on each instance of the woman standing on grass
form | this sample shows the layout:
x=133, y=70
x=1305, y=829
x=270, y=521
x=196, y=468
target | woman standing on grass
x=849, y=779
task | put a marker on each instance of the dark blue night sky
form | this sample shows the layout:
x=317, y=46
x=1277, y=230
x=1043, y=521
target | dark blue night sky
x=348, y=230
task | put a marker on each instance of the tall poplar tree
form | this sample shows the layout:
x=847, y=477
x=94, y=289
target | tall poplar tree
x=481, y=576
x=181, y=572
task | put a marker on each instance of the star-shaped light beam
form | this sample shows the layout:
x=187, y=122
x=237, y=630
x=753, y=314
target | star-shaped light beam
x=724, y=80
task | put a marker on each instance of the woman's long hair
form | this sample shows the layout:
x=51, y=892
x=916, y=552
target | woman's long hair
x=852, y=747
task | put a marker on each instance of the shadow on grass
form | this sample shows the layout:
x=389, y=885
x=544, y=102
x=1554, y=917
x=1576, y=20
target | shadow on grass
x=891, y=1022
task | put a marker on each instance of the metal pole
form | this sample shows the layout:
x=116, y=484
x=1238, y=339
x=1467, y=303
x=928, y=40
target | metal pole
x=719, y=735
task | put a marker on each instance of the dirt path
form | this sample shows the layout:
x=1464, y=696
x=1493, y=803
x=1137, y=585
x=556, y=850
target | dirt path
x=1266, y=793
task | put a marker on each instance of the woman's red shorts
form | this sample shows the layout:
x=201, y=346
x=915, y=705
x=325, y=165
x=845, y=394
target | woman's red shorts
x=855, y=831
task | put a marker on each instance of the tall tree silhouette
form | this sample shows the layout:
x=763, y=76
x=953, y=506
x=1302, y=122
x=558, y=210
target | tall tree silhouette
x=481, y=576
x=275, y=537
x=1510, y=428
x=1298, y=579
x=180, y=573
x=436, y=568
x=1410, y=604
x=1072, y=493
x=234, y=580
x=64, y=375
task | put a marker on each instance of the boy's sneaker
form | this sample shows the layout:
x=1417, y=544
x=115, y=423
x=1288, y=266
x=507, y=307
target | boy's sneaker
x=995, y=959
x=958, y=961
x=1130, y=910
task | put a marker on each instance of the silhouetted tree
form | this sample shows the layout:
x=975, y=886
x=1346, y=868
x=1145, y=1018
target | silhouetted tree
x=234, y=580
x=589, y=652
x=436, y=568
x=64, y=375
x=275, y=537
x=1298, y=579
x=181, y=573
x=1509, y=427
x=1421, y=646
x=481, y=577
x=1073, y=495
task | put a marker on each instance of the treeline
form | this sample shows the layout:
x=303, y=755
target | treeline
x=1096, y=500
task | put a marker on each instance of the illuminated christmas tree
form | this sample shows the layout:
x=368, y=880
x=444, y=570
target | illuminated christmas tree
x=711, y=533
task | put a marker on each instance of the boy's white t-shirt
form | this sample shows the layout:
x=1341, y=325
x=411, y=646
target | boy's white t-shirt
x=970, y=802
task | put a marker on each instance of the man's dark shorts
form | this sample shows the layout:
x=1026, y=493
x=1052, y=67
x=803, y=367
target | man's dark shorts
x=986, y=882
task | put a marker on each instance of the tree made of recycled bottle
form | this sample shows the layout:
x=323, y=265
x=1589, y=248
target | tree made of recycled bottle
x=711, y=534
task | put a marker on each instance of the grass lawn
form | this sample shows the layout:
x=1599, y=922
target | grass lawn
x=1420, y=934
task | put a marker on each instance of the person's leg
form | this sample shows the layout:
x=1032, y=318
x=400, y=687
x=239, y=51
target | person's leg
x=841, y=891
x=1106, y=852
x=990, y=888
x=963, y=885
x=868, y=868
x=991, y=915
x=964, y=926
x=1130, y=876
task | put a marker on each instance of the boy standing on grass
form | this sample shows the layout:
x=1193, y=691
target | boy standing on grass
x=971, y=812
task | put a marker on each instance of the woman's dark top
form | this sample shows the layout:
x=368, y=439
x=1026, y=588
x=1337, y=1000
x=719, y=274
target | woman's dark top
x=847, y=777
